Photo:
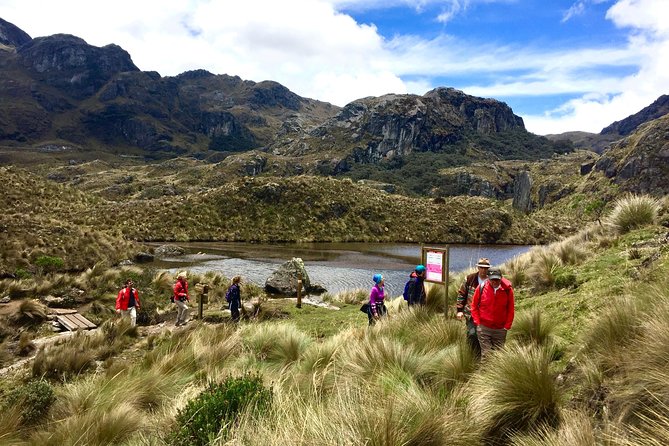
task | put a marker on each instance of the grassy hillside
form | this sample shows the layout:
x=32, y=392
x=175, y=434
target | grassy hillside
x=586, y=363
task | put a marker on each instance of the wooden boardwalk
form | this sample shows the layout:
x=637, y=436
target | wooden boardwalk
x=74, y=322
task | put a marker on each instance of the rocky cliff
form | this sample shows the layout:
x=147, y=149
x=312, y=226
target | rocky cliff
x=626, y=126
x=640, y=162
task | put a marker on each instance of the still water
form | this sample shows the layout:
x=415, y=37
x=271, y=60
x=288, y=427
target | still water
x=336, y=266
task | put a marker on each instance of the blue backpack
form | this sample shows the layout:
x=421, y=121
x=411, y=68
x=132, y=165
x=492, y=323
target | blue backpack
x=408, y=289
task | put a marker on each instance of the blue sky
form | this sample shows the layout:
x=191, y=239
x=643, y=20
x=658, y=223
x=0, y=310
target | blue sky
x=562, y=65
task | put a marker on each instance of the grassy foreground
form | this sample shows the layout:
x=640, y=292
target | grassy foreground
x=586, y=364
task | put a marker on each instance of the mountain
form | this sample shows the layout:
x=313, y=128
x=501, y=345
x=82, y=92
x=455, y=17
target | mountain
x=639, y=163
x=61, y=91
x=58, y=89
x=626, y=126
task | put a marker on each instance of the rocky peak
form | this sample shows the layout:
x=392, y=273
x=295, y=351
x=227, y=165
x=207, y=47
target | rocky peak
x=70, y=64
x=626, y=126
x=12, y=35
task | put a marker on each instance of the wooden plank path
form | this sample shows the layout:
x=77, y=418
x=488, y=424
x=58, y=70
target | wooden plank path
x=74, y=322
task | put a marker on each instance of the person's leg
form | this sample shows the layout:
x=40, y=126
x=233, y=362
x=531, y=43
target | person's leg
x=498, y=338
x=133, y=316
x=472, y=338
x=485, y=340
x=181, y=309
x=234, y=312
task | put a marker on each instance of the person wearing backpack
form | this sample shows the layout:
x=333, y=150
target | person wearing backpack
x=492, y=311
x=377, y=309
x=234, y=298
x=464, y=301
x=414, y=289
x=180, y=298
x=127, y=301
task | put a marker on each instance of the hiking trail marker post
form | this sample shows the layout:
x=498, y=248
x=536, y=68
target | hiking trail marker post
x=299, y=290
x=436, y=266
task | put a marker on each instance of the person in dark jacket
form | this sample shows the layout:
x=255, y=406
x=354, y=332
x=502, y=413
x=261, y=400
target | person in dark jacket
x=180, y=298
x=417, y=294
x=234, y=298
x=127, y=301
x=492, y=311
x=464, y=301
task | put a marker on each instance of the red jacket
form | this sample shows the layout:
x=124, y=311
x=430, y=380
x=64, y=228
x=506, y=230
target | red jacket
x=494, y=309
x=181, y=290
x=123, y=298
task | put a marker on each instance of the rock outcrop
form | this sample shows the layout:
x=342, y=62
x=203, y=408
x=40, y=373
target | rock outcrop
x=284, y=280
x=640, y=162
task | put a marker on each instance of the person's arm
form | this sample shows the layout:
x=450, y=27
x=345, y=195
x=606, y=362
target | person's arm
x=372, y=300
x=510, y=311
x=118, y=300
x=461, y=300
x=476, y=300
x=137, y=304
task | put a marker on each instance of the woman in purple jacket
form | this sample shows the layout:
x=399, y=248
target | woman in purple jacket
x=376, y=307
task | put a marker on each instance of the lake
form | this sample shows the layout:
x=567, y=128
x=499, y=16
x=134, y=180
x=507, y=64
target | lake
x=336, y=266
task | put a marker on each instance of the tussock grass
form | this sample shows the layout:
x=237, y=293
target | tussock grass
x=575, y=429
x=281, y=344
x=30, y=312
x=617, y=326
x=449, y=368
x=544, y=265
x=531, y=327
x=570, y=251
x=515, y=270
x=652, y=430
x=633, y=211
x=516, y=391
x=353, y=297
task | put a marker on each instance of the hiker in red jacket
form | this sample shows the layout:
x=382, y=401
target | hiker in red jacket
x=127, y=301
x=180, y=298
x=492, y=311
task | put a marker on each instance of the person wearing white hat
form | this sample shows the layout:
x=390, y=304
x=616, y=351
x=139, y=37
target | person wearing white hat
x=464, y=301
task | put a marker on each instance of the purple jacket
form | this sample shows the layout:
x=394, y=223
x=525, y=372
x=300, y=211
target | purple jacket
x=376, y=297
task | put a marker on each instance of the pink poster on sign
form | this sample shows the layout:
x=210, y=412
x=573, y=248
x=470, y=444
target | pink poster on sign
x=434, y=266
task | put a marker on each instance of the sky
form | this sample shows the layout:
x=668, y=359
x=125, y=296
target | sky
x=562, y=65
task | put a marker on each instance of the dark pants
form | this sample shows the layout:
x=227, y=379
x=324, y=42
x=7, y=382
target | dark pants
x=490, y=339
x=472, y=337
x=234, y=311
x=381, y=310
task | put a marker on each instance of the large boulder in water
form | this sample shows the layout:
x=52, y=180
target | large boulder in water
x=283, y=281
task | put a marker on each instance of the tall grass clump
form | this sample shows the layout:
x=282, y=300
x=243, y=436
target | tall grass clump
x=515, y=270
x=543, y=268
x=29, y=312
x=279, y=344
x=515, y=392
x=212, y=413
x=633, y=211
x=644, y=382
x=616, y=326
x=531, y=327
x=575, y=429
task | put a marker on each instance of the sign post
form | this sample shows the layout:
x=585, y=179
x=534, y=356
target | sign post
x=436, y=266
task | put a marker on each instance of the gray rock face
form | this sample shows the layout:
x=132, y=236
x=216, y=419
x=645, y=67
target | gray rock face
x=640, y=162
x=522, y=192
x=169, y=251
x=11, y=35
x=70, y=64
x=283, y=281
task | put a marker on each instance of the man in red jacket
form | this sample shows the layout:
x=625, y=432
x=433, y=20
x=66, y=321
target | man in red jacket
x=127, y=301
x=492, y=311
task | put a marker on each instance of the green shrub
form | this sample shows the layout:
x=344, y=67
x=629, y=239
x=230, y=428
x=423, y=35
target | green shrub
x=565, y=279
x=211, y=413
x=34, y=398
x=633, y=211
x=49, y=263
